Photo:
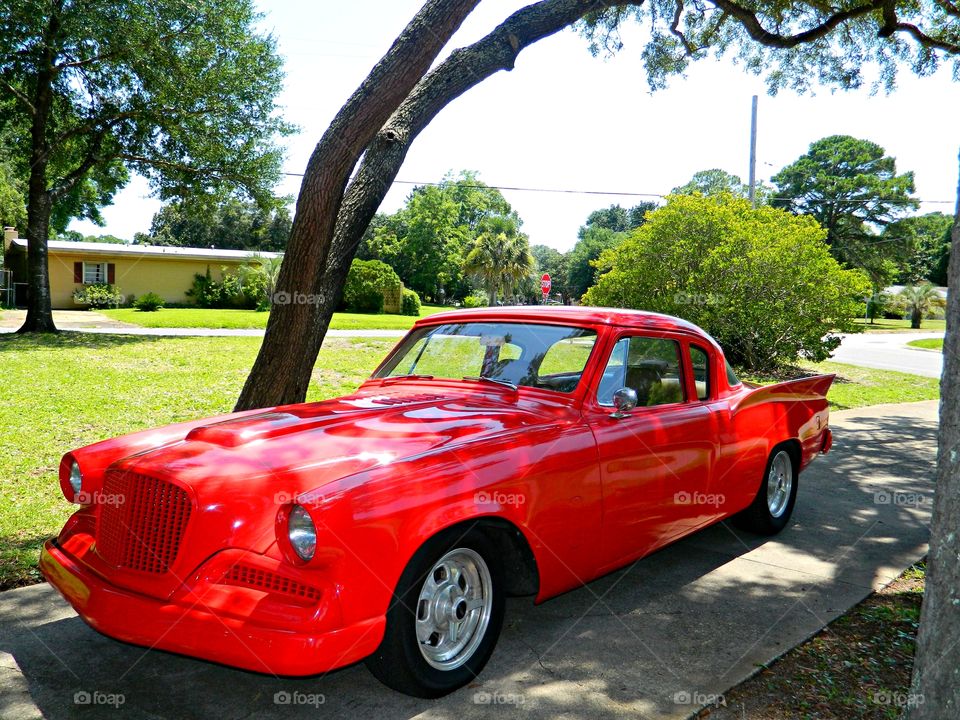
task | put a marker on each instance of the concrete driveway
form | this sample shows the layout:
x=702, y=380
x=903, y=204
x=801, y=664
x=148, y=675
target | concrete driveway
x=656, y=640
x=889, y=351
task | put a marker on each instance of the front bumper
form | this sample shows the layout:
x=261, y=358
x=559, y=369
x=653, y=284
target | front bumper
x=188, y=625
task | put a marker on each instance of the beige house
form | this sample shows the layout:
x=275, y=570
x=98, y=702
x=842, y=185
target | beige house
x=134, y=269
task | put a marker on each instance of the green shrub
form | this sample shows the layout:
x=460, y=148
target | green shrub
x=410, y=304
x=761, y=281
x=148, y=302
x=206, y=292
x=475, y=301
x=246, y=290
x=366, y=281
x=98, y=296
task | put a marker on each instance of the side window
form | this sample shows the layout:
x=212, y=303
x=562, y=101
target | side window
x=650, y=366
x=701, y=371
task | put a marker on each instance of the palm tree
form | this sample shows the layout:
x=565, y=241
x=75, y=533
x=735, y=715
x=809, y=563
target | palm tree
x=920, y=301
x=499, y=256
x=267, y=266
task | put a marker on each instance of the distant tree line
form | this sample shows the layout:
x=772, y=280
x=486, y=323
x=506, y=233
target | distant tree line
x=454, y=240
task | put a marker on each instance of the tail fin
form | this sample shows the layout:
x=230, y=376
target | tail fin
x=802, y=390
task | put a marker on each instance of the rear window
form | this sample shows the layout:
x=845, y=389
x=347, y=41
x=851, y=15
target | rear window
x=732, y=379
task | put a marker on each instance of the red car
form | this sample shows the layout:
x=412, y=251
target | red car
x=495, y=452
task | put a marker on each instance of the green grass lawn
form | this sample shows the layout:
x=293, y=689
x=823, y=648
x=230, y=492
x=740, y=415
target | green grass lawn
x=857, y=386
x=928, y=344
x=900, y=325
x=245, y=319
x=61, y=392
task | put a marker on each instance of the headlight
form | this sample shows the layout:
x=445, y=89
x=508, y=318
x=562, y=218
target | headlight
x=76, y=478
x=302, y=533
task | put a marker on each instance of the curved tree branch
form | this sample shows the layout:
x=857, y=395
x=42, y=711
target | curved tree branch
x=751, y=23
x=892, y=24
x=19, y=96
x=461, y=71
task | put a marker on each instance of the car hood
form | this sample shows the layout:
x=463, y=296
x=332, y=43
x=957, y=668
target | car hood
x=240, y=470
x=327, y=440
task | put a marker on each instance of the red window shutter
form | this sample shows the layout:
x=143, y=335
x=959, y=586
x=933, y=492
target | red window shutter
x=111, y=273
x=78, y=272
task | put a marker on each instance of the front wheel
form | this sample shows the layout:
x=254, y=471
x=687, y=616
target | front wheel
x=773, y=505
x=444, y=619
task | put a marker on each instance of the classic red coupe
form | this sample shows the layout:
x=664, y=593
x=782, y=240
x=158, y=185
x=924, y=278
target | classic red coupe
x=495, y=452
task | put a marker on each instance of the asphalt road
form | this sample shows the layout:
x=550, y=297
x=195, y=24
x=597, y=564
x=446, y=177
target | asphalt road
x=658, y=639
x=889, y=351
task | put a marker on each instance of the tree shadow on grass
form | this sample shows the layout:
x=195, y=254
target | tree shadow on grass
x=66, y=340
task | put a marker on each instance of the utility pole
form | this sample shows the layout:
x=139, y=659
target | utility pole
x=753, y=153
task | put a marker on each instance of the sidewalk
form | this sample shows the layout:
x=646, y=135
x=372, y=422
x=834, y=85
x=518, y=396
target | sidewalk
x=92, y=322
x=651, y=641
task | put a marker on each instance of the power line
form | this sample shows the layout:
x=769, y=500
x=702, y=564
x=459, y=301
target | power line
x=566, y=191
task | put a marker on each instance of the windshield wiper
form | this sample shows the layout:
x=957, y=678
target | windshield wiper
x=498, y=381
x=410, y=376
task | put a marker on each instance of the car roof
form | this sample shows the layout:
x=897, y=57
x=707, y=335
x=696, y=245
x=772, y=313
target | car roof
x=578, y=315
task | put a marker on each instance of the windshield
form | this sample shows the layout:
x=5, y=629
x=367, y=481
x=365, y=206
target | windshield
x=544, y=356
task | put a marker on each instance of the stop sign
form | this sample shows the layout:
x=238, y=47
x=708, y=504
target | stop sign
x=545, y=284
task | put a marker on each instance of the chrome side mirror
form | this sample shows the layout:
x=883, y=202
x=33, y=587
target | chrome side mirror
x=624, y=400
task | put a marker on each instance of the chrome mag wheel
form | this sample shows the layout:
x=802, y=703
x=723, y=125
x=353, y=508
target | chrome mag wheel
x=454, y=608
x=779, y=483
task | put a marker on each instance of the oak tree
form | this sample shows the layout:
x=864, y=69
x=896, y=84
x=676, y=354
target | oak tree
x=182, y=92
x=852, y=188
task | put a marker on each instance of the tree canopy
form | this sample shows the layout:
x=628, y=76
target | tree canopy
x=923, y=246
x=427, y=241
x=180, y=92
x=761, y=281
x=852, y=189
x=713, y=182
x=230, y=224
x=618, y=219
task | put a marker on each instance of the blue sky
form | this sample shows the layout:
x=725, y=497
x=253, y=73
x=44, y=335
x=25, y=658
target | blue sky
x=563, y=119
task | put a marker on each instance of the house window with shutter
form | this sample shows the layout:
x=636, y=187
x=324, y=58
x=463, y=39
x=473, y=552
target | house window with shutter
x=90, y=273
x=94, y=273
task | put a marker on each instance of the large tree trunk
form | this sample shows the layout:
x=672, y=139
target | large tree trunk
x=39, y=200
x=39, y=307
x=935, y=692
x=281, y=373
x=292, y=341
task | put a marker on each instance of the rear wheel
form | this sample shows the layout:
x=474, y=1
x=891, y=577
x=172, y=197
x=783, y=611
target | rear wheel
x=773, y=505
x=445, y=617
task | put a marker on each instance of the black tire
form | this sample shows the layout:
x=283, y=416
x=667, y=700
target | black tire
x=759, y=518
x=399, y=661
